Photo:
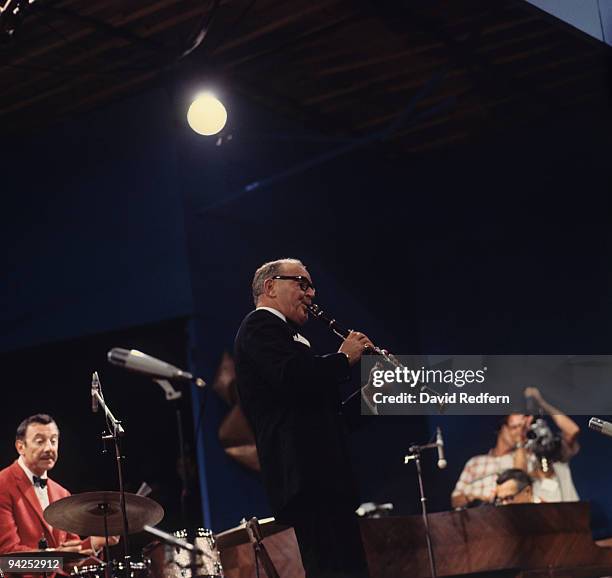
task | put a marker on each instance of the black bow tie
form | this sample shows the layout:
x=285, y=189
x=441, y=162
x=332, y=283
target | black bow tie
x=40, y=482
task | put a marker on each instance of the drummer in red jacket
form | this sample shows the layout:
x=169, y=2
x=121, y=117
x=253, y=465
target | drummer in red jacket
x=26, y=490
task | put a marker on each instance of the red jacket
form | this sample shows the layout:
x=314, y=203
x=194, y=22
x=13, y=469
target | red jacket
x=21, y=518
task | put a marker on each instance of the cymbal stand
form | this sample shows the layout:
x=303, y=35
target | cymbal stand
x=415, y=456
x=107, y=568
x=256, y=538
x=117, y=431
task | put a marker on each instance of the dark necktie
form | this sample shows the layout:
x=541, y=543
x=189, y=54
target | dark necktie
x=40, y=482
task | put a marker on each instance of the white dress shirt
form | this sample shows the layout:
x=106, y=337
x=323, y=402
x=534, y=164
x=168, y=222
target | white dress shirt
x=297, y=336
x=41, y=493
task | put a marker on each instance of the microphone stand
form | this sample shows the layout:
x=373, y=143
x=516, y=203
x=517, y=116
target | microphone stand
x=182, y=461
x=162, y=373
x=256, y=538
x=174, y=395
x=116, y=434
x=415, y=456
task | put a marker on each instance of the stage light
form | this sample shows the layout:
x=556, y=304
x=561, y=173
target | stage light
x=206, y=115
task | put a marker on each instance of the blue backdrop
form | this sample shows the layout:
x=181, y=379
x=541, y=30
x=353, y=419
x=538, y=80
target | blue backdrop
x=126, y=217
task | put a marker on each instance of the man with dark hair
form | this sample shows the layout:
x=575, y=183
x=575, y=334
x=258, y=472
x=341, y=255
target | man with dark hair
x=41, y=418
x=476, y=483
x=514, y=486
x=290, y=396
x=552, y=476
x=26, y=490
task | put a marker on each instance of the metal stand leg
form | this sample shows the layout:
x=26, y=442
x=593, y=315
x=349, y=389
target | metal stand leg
x=415, y=456
x=182, y=464
x=261, y=554
x=107, y=567
x=430, y=552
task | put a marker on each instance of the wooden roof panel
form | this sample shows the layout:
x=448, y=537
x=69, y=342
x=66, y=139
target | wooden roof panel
x=346, y=66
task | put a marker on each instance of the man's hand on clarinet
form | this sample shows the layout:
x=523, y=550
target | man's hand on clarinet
x=354, y=346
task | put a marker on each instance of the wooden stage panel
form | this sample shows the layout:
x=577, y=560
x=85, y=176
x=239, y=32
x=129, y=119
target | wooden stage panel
x=239, y=561
x=522, y=540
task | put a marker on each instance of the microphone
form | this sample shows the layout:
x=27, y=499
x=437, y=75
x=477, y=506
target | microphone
x=440, y=445
x=95, y=387
x=142, y=363
x=601, y=426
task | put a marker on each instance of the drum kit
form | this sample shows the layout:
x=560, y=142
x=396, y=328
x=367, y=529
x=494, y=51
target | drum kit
x=172, y=556
x=122, y=513
x=100, y=514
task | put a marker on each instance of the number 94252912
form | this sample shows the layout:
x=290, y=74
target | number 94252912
x=30, y=565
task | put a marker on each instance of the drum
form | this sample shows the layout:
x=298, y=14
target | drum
x=167, y=561
x=137, y=570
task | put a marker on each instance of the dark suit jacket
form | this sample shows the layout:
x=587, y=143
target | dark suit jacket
x=21, y=518
x=290, y=396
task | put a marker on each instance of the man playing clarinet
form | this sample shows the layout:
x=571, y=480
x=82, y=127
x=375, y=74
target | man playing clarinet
x=291, y=398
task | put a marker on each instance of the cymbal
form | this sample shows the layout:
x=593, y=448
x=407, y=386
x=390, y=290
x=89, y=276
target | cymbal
x=83, y=514
x=239, y=535
x=48, y=553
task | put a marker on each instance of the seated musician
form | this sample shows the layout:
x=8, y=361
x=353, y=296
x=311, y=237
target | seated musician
x=26, y=490
x=547, y=461
x=514, y=486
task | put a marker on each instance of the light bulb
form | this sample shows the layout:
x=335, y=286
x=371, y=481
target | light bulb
x=206, y=115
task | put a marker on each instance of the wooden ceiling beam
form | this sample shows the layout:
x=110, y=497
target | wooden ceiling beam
x=367, y=83
x=88, y=18
x=81, y=57
x=298, y=40
x=291, y=16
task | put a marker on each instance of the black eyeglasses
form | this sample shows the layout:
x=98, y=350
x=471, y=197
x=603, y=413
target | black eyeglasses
x=508, y=499
x=302, y=281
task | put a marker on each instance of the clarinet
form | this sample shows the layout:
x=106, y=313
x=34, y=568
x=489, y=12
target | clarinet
x=318, y=313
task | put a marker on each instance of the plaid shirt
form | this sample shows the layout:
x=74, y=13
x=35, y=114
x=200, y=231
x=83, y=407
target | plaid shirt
x=479, y=475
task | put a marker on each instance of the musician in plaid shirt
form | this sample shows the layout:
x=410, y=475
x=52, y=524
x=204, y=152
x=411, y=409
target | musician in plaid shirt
x=479, y=476
x=478, y=479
